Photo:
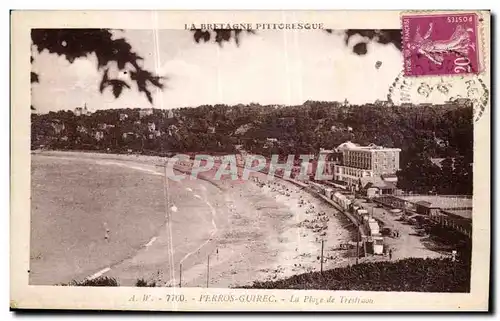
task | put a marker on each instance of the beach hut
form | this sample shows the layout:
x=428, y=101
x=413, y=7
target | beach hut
x=362, y=212
x=378, y=245
x=373, y=226
x=328, y=193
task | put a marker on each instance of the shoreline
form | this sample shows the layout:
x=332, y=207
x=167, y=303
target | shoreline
x=271, y=248
x=266, y=225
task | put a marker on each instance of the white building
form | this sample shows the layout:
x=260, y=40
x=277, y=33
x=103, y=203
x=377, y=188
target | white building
x=79, y=111
x=145, y=112
x=365, y=161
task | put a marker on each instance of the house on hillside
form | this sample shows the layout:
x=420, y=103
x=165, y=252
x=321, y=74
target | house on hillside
x=99, y=135
x=376, y=186
x=242, y=129
x=270, y=142
x=439, y=141
x=151, y=126
x=172, y=129
x=383, y=103
x=81, y=111
x=286, y=121
x=463, y=102
x=145, y=112
x=58, y=126
x=81, y=129
x=104, y=126
x=129, y=135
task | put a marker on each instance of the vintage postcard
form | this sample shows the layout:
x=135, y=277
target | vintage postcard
x=250, y=160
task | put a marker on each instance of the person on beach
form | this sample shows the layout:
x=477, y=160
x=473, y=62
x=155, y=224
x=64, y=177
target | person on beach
x=390, y=254
x=106, y=235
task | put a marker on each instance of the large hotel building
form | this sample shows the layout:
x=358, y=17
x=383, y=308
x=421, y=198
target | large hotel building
x=365, y=161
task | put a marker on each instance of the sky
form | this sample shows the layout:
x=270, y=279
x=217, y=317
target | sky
x=270, y=67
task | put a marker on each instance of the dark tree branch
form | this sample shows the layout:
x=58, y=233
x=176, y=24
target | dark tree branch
x=384, y=36
x=80, y=43
x=34, y=77
x=219, y=35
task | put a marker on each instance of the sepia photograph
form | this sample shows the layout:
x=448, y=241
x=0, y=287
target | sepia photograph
x=285, y=155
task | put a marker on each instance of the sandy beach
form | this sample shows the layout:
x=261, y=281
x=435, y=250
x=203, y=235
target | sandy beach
x=256, y=221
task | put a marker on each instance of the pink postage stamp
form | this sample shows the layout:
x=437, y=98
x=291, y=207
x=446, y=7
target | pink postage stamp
x=440, y=44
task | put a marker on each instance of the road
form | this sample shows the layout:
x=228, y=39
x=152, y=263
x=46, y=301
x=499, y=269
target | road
x=408, y=244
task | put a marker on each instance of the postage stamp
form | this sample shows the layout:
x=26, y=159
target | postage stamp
x=440, y=44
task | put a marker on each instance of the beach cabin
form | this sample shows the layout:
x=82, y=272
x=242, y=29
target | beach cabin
x=371, y=192
x=378, y=245
x=329, y=193
x=341, y=200
x=362, y=213
x=373, y=226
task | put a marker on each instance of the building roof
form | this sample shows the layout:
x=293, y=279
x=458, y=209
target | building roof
x=437, y=161
x=466, y=214
x=353, y=146
x=447, y=202
x=373, y=225
x=326, y=151
x=347, y=145
x=463, y=100
x=376, y=182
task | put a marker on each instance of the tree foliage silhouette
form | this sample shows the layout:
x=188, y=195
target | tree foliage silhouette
x=219, y=35
x=381, y=36
x=81, y=43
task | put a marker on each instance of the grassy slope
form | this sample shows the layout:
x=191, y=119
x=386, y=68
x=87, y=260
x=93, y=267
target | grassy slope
x=415, y=275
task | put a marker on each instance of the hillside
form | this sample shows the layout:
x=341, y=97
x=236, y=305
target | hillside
x=422, y=133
